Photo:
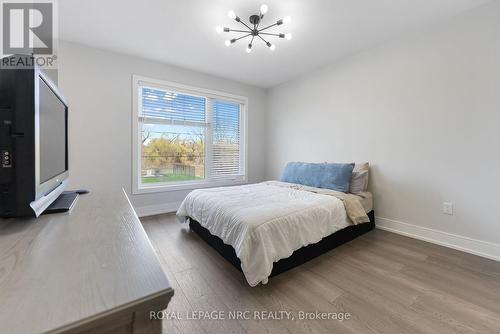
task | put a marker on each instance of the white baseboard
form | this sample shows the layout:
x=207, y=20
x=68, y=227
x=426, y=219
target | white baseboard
x=477, y=247
x=465, y=244
x=151, y=210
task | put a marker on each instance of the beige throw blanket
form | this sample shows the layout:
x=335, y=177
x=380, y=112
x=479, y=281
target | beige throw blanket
x=353, y=207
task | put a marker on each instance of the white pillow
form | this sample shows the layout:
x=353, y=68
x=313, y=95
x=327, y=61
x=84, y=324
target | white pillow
x=359, y=178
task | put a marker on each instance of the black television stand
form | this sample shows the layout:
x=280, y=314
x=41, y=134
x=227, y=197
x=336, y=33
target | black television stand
x=63, y=203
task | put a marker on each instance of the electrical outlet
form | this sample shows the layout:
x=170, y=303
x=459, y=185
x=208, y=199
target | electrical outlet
x=448, y=208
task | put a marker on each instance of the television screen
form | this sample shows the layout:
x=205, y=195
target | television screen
x=52, y=118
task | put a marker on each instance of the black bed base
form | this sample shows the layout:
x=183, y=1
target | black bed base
x=298, y=257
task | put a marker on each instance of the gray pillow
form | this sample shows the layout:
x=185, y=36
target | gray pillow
x=359, y=179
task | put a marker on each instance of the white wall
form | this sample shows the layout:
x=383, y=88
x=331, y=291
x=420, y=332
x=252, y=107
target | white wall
x=98, y=87
x=424, y=111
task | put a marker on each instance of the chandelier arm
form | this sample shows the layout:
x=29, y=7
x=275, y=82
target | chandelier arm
x=269, y=26
x=237, y=30
x=269, y=34
x=260, y=21
x=246, y=25
x=237, y=39
x=251, y=42
x=262, y=39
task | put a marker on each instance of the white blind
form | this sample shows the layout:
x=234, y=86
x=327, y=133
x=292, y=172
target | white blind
x=172, y=106
x=225, y=155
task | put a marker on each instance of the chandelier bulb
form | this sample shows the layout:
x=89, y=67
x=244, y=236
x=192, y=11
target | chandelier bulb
x=231, y=14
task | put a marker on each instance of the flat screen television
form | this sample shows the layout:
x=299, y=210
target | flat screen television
x=34, y=142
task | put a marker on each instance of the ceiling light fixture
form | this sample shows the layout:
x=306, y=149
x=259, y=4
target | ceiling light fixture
x=249, y=31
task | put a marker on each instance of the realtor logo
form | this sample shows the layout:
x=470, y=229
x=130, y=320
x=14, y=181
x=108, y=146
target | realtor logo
x=27, y=28
x=29, y=34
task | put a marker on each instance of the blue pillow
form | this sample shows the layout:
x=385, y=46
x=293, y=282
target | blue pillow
x=320, y=175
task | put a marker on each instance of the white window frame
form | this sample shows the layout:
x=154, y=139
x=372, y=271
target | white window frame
x=137, y=186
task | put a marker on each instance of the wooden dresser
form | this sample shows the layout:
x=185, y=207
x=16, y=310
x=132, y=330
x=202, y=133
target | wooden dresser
x=89, y=271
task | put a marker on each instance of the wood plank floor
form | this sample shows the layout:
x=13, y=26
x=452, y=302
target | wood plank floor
x=387, y=282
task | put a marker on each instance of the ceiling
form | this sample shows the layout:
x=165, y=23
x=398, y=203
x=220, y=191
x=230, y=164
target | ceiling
x=182, y=32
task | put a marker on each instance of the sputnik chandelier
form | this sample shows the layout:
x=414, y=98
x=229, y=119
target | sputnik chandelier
x=255, y=31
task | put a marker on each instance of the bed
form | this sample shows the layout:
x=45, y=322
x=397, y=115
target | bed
x=267, y=228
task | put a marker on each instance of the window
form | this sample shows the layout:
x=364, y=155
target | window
x=186, y=137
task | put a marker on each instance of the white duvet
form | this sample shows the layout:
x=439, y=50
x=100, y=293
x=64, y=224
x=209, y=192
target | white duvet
x=264, y=222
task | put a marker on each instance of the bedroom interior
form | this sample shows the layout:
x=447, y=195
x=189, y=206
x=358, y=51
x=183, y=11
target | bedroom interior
x=248, y=167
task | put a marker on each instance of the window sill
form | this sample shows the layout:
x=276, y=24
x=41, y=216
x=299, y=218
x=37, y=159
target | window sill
x=186, y=186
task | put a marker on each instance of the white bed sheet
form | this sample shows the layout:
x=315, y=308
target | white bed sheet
x=264, y=222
